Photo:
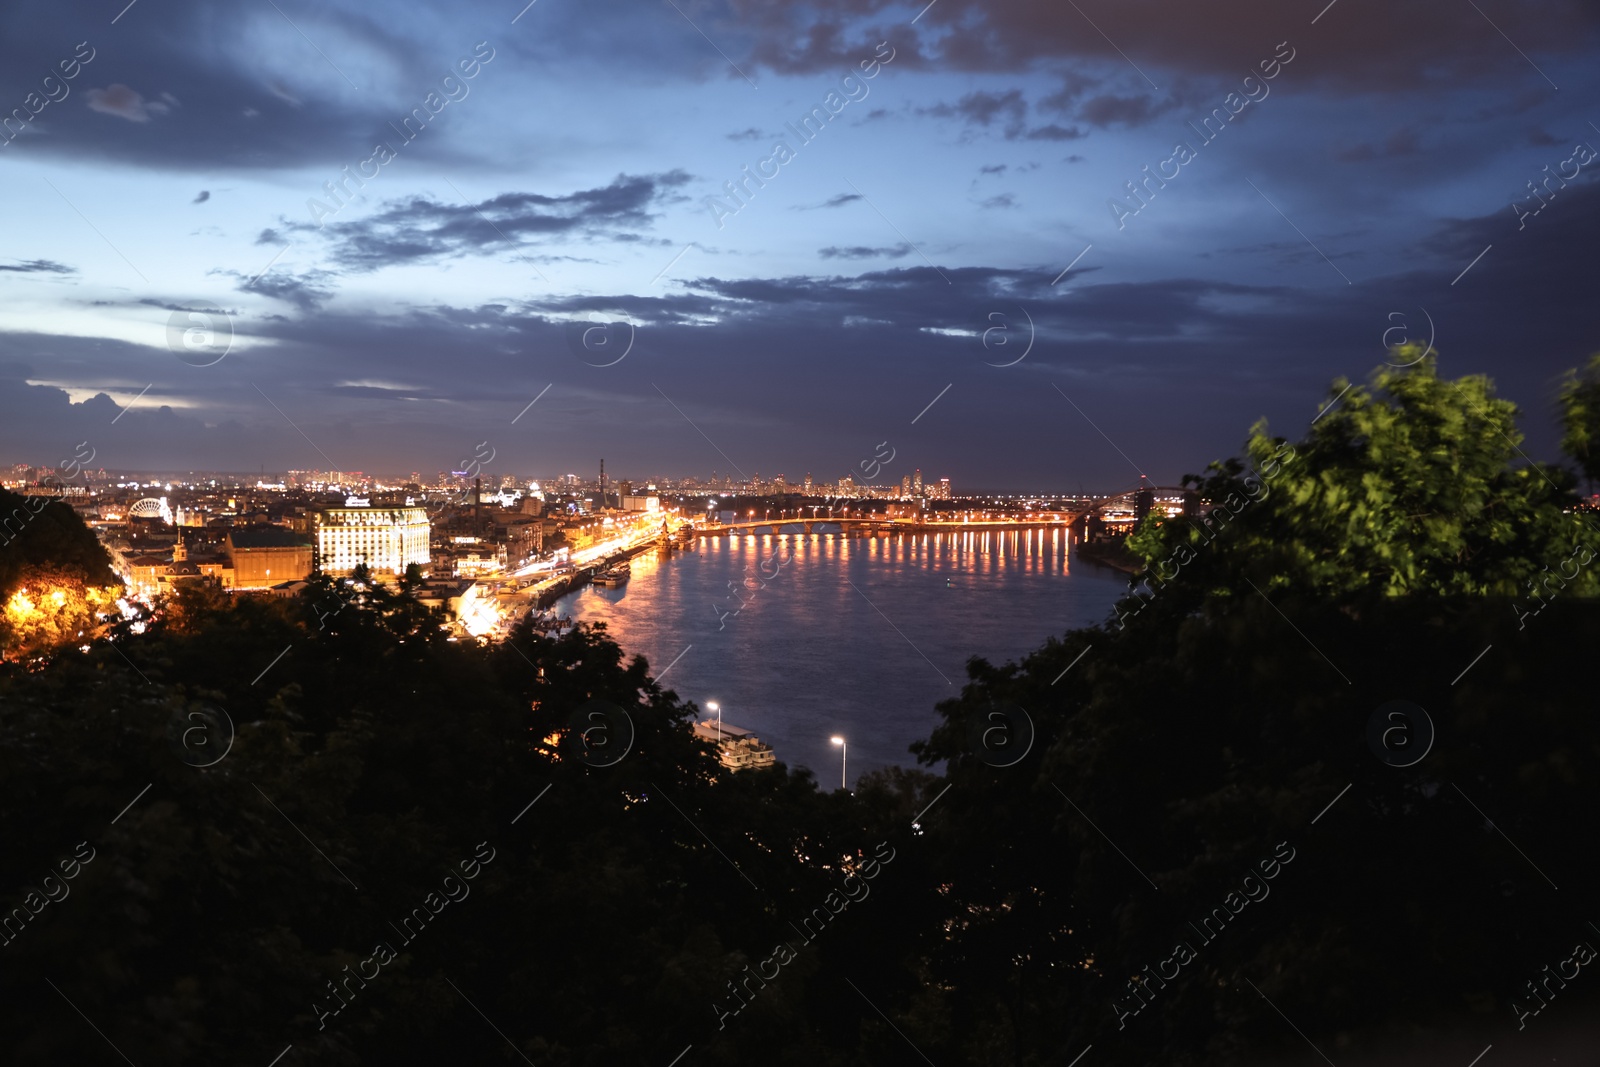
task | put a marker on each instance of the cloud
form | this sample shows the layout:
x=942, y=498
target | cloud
x=898, y=251
x=1053, y=132
x=838, y=200
x=1009, y=109
x=898, y=335
x=307, y=291
x=117, y=99
x=1373, y=50
x=38, y=266
x=995, y=168
x=983, y=109
x=751, y=134
x=205, y=194
x=1003, y=200
x=421, y=229
x=1111, y=110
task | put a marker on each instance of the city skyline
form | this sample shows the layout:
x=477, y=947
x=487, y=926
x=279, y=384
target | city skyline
x=311, y=236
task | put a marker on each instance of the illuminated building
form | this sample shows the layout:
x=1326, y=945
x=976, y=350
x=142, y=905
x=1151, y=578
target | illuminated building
x=387, y=540
x=267, y=556
x=916, y=482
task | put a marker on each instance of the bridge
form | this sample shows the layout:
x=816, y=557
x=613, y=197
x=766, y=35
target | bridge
x=879, y=526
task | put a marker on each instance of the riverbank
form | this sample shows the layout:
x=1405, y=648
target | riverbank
x=1111, y=553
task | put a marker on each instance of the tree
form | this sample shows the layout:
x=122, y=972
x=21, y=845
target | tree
x=56, y=579
x=360, y=757
x=1580, y=419
x=1413, y=485
x=1219, y=716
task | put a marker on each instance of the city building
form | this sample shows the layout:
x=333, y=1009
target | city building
x=387, y=540
x=265, y=556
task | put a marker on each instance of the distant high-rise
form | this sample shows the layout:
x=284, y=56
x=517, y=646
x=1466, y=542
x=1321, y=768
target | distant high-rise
x=916, y=482
x=808, y=483
x=905, y=485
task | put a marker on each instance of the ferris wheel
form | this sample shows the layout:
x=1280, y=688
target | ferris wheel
x=151, y=508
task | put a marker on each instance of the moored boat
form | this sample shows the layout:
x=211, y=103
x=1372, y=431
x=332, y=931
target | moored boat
x=614, y=575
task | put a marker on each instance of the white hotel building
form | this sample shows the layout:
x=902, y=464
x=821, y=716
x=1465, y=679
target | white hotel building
x=387, y=540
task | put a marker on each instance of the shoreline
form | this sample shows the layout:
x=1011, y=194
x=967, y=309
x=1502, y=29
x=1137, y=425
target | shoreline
x=1112, y=554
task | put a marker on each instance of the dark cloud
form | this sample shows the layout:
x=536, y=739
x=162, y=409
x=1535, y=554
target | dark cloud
x=982, y=108
x=1053, y=132
x=899, y=251
x=751, y=134
x=38, y=266
x=995, y=168
x=1111, y=110
x=1198, y=359
x=1003, y=200
x=306, y=291
x=1358, y=50
x=190, y=91
x=205, y=194
x=837, y=200
x=421, y=229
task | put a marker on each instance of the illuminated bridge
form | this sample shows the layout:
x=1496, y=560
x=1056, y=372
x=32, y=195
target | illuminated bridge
x=878, y=526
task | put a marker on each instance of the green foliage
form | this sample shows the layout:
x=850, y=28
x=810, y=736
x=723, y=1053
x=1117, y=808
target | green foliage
x=1580, y=419
x=46, y=549
x=1414, y=485
x=1228, y=704
x=35, y=535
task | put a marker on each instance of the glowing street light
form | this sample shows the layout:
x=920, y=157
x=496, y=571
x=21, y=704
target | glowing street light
x=844, y=754
x=714, y=706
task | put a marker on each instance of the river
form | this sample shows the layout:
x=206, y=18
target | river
x=800, y=638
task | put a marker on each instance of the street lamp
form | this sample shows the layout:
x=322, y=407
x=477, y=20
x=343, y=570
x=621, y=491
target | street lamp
x=714, y=706
x=844, y=754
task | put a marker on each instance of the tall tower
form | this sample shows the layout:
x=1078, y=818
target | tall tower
x=602, y=484
x=916, y=482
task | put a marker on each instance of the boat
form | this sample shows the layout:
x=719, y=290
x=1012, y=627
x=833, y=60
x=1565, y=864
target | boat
x=737, y=749
x=614, y=575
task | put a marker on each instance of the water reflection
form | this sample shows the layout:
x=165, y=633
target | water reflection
x=803, y=637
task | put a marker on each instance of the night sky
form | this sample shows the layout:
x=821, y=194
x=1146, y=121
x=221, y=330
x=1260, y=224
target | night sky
x=571, y=166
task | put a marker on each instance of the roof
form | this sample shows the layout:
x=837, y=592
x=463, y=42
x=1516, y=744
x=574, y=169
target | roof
x=730, y=732
x=267, y=537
